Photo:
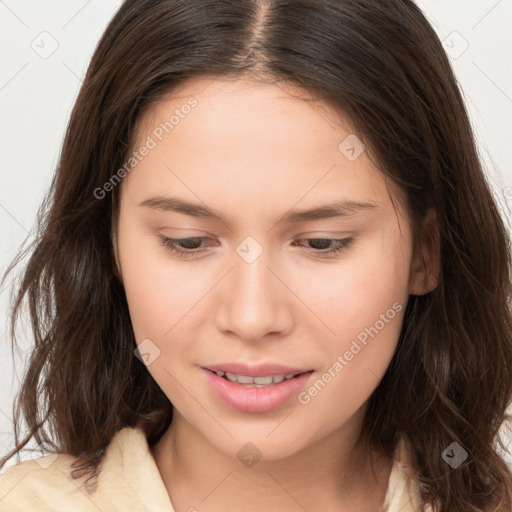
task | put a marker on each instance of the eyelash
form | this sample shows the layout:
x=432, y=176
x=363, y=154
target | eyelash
x=170, y=244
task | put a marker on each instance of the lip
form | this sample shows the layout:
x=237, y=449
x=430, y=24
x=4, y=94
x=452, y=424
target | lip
x=258, y=370
x=255, y=399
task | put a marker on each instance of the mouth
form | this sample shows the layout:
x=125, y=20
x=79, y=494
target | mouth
x=257, y=382
x=265, y=392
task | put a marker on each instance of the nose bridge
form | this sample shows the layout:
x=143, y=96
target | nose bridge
x=253, y=304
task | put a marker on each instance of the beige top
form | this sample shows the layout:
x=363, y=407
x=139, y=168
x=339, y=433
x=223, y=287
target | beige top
x=130, y=480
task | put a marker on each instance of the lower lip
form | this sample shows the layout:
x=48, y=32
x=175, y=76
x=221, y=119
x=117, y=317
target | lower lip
x=254, y=399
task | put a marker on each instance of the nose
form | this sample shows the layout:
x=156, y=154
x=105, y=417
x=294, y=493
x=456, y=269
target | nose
x=254, y=302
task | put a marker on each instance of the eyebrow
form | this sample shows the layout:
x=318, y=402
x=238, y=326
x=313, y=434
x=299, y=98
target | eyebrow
x=337, y=209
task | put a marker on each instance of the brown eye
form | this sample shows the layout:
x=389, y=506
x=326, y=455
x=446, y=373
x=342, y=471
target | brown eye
x=333, y=246
x=183, y=247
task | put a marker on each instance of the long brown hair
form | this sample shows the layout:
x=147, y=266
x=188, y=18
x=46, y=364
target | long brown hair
x=380, y=64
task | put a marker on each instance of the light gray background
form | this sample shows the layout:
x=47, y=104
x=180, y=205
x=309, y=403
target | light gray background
x=45, y=48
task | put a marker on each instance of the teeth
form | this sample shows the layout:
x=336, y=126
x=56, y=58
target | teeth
x=268, y=380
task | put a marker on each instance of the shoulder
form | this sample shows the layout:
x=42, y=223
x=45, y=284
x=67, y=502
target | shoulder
x=40, y=483
x=403, y=490
x=505, y=435
x=46, y=483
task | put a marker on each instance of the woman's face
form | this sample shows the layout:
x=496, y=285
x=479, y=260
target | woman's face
x=261, y=287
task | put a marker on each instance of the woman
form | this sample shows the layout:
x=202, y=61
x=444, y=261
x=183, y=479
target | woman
x=271, y=273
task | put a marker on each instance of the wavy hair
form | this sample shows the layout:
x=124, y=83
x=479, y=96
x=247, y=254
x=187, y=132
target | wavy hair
x=380, y=64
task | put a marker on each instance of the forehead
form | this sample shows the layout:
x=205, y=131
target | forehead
x=243, y=89
x=242, y=106
x=252, y=143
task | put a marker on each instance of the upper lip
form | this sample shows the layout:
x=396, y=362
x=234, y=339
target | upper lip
x=257, y=370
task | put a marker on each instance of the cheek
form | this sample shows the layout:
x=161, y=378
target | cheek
x=161, y=300
x=160, y=294
x=352, y=293
x=359, y=305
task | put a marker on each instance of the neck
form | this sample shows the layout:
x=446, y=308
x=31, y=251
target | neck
x=336, y=473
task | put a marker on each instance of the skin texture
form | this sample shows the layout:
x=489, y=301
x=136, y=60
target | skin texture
x=253, y=152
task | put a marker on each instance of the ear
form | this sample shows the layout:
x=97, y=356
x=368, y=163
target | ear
x=116, y=266
x=426, y=260
x=115, y=260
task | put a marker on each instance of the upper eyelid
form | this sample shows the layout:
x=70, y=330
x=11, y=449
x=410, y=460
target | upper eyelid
x=339, y=239
x=339, y=246
x=300, y=237
x=308, y=234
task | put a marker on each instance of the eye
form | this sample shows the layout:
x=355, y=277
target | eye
x=186, y=247
x=172, y=245
x=337, y=245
